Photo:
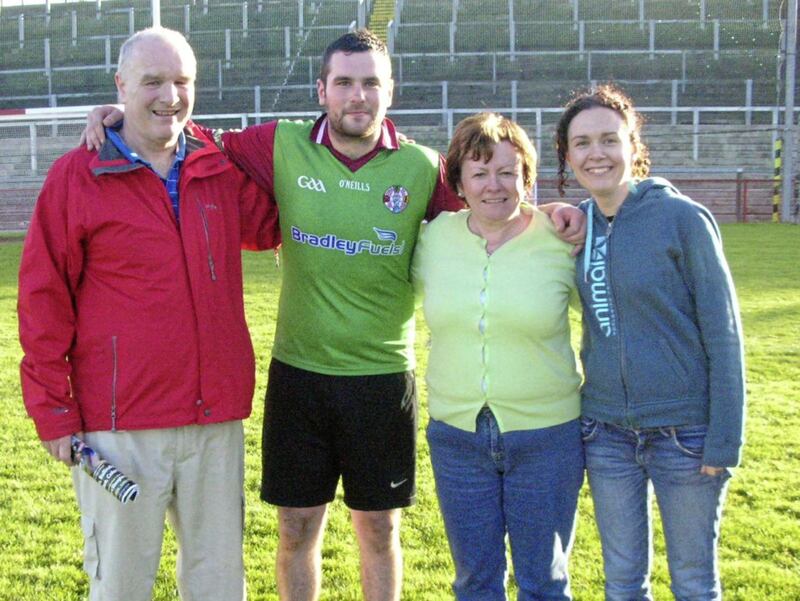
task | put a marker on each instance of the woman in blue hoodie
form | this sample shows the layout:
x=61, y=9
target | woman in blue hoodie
x=663, y=397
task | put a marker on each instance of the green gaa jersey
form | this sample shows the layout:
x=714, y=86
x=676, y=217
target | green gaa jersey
x=346, y=305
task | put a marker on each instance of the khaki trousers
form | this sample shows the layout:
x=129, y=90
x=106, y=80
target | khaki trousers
x=193, y=476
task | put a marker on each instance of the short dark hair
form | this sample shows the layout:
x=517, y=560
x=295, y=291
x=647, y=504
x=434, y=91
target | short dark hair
x=360, y=40
x=475, y=138
x=606, y=96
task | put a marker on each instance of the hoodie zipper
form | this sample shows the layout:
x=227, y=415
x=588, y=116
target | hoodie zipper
x=611, y=289
x=114, y=384
x=204, y=219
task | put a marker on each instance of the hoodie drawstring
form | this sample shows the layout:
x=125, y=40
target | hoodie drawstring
x=587, y=249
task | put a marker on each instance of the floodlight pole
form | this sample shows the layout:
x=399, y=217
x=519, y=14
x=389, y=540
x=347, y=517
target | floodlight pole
x=155, y=7
x=788, y=115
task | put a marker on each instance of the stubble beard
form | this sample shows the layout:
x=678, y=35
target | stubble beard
x=341, y=130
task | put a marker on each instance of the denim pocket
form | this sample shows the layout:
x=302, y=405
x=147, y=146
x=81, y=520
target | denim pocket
x=689, y=440
x=589, y=427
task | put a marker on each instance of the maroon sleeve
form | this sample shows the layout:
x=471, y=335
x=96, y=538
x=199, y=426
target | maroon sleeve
x=443, y=198
x=50, y=269
x=252, y=150
x=258, y=211
x=259, y=217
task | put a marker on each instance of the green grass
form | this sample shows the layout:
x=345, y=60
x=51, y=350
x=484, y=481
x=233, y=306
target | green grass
x=40, y=543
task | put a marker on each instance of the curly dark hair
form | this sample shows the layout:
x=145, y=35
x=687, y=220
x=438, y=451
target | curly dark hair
x=360, y=40
x=605, y=96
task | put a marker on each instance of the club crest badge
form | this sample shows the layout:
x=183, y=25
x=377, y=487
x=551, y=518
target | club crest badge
x=395, y=198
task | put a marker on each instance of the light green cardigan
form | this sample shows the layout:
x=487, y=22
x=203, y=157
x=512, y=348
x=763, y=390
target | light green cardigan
x=499, y=328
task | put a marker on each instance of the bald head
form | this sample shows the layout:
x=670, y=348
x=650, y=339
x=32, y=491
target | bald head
x=155, y=36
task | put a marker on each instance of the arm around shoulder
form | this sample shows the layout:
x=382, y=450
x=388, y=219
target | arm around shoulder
x=258, y=215
x=252, y=150
x=569, y=222
x=443, y=198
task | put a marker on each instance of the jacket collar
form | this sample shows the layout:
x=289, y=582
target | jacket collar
x=636, y=195
x=109, y=159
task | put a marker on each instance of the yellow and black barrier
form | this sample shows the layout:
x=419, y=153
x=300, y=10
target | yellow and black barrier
x=776, y=178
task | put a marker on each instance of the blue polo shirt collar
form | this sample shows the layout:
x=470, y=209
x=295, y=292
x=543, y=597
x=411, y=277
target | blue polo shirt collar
x=171, y=181
x=112, y=133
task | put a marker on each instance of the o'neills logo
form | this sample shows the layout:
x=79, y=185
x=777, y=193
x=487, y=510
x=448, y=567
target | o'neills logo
x=395, y=198
x=349, y=184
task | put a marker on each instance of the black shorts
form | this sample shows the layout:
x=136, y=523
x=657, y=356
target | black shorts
x=319, y=427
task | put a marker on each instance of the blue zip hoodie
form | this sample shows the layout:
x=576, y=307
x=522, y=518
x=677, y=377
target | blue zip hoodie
x=662, y=338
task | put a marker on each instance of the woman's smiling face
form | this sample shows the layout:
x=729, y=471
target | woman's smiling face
x=600, y=154
x=493, y=189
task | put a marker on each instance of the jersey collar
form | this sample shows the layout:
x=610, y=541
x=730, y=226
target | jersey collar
x=320, y=134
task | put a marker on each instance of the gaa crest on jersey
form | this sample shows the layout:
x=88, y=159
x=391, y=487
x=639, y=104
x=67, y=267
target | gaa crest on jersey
x=395, y=198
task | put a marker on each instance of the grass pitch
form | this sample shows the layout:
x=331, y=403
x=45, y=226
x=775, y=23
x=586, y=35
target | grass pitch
x=40, y=541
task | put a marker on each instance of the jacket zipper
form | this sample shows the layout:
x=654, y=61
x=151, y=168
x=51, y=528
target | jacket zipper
x=204, y=219
x=623, y=374
x=114, y=384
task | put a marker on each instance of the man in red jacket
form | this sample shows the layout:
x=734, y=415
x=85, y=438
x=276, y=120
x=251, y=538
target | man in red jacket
x=132, y=322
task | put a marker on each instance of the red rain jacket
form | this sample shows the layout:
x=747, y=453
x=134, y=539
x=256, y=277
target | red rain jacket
x=127, y=320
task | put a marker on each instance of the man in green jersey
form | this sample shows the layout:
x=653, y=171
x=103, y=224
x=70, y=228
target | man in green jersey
x=341, y=400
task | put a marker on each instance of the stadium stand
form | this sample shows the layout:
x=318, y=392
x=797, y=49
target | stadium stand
x=708, y=72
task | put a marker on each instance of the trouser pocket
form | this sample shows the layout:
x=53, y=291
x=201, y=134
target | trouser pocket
x=589, y=428
x=91, y=557
x=689, y=440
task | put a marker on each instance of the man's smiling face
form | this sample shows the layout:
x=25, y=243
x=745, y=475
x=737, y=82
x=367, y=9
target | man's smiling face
x=156, y=85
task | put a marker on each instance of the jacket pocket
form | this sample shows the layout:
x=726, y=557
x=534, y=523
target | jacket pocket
x=91, y=557
x=654, y=372
x=601, y=373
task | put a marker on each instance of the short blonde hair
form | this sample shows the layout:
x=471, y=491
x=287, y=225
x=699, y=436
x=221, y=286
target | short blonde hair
x=475, y=138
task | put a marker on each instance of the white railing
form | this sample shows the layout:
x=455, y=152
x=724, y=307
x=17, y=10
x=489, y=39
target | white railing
x=490, y=66
x=514, y=94
x=74, y=116
x=451, y=31
x=506, y=33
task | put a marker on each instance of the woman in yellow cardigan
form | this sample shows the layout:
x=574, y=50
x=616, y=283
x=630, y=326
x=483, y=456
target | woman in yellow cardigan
x=503, y=395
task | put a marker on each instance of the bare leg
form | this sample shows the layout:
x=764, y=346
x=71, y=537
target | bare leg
x=378, y=534
x=299, y=562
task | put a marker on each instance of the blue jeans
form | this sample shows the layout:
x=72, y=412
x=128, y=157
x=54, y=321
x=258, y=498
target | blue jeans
x=625, y=466
x=523, y=483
